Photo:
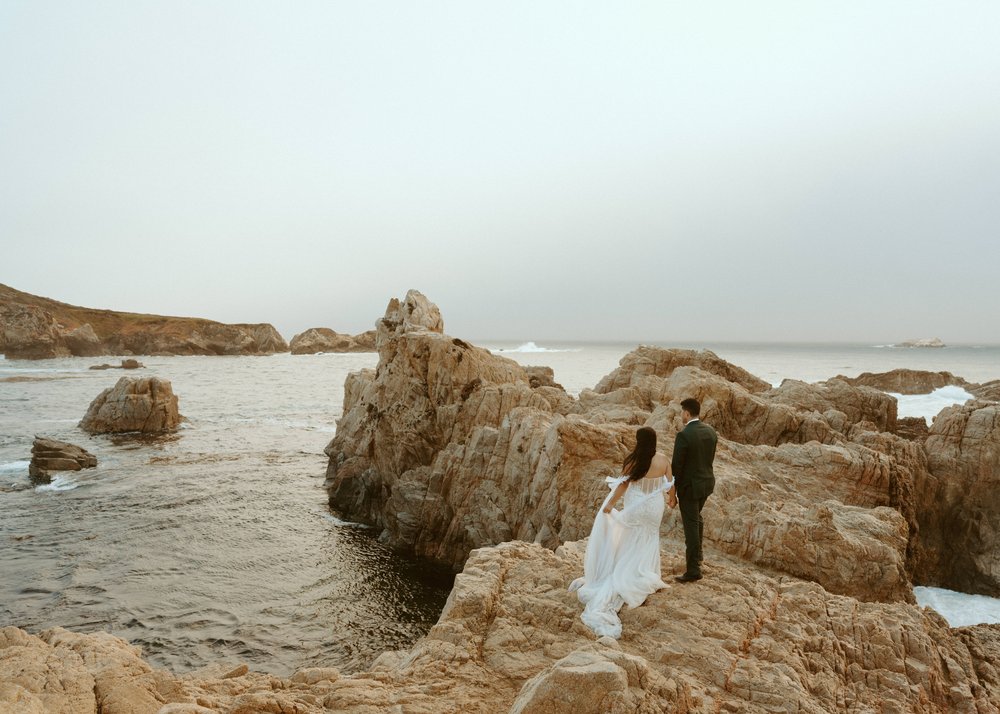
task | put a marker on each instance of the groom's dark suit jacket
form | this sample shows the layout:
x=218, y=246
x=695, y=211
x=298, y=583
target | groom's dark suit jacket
x=694, y=452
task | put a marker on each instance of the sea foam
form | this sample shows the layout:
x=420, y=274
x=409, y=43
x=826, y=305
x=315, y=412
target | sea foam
x=960, y=609
x=929, y=405
x=532, y=347
x=58, y=483
x=14, y=468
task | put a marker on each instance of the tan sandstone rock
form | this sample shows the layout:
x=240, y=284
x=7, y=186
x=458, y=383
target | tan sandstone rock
x=906, y=381
x=958, y=500
x=510, y=640
x=323, y=339
x=445, y=447
x=48, y=455
x=146, y=405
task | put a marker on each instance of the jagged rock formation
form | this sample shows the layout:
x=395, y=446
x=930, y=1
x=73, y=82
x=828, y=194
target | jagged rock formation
x=33, y=327
x=988, y=391
x=445, y=447
x=146, y=405
x=48, y=455
x=323, y=339
x=510, y=640
x=959, y=500
x=906, y=381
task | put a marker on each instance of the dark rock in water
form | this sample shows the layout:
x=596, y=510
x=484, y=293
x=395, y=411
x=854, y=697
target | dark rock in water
x=49, y=455
x=126, y=364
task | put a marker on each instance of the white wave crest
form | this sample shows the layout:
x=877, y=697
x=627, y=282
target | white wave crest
x=340, y=522
x=532, y=347
x=929, y=405
x=58, y=483
x=959, y=609
x=14, y=468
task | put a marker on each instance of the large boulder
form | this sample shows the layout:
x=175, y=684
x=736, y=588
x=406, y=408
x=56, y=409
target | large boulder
x=146, y=405
x=30, y=332
x=323, y=339
x=658, y=362
x=841, y=404
x=48, y=455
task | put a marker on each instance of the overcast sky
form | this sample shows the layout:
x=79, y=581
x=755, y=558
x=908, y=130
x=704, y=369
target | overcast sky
x=543, y=171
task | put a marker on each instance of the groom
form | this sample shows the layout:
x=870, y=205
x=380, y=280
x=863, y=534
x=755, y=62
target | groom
x=694, y=452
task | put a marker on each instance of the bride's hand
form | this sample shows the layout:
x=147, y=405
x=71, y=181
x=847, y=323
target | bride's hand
x=608, y=509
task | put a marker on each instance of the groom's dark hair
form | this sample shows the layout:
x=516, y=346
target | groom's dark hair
x=691, y=406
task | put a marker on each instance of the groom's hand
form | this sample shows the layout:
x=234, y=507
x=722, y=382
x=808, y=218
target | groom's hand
x=672, y=501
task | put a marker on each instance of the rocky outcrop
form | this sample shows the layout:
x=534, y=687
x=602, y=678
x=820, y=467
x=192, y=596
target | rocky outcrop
x=905, y=381
x=445, y=447
x=48, y=455
x=323, y=339
x=839, y=403
x=988, y=391
x=653, y=361
x=146, y=405
x=33, y=327
x=959, y=498
x=510, y=640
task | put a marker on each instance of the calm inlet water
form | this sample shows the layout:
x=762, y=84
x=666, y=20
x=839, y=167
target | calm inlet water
x=215, y=544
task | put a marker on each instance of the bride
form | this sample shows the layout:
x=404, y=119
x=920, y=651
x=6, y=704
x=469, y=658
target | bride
x=622, y=564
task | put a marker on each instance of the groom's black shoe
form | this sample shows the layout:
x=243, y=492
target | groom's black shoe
x=687, y=578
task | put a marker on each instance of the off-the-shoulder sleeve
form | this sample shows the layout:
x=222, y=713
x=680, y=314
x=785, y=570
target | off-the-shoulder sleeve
x=614, y=481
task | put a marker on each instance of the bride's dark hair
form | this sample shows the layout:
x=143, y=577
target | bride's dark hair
x=637, y=463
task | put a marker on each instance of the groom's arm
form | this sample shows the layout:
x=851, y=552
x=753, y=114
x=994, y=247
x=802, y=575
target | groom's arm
x=679, y=457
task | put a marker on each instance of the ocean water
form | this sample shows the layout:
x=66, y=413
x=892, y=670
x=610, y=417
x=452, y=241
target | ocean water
x=215, y=544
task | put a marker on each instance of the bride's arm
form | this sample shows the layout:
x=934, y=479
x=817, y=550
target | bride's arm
x=619, y=492
x=672, y=492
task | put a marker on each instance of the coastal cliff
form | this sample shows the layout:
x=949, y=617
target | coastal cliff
x=33, y=327
x=446, y=447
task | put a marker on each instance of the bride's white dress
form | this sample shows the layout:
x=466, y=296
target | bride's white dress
x=622, y=565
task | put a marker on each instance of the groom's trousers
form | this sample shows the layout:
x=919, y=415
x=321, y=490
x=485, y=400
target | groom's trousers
x=694, y=531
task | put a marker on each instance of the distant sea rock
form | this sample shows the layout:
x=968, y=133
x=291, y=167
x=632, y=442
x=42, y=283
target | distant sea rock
x=126, y=364
x=923, y=342
x=33, y=327
x=323, y=339
x=48, y=455
x=906, y=381
x=146, y=405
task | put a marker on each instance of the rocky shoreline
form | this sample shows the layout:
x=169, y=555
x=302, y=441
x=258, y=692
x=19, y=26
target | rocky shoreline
x=34, y=327
x=828, y=510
